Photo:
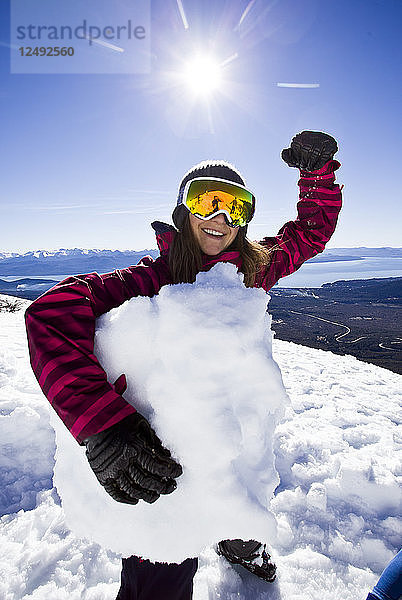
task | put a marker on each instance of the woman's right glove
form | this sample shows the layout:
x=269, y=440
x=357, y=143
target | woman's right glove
x=310, y=150
x=130, y=462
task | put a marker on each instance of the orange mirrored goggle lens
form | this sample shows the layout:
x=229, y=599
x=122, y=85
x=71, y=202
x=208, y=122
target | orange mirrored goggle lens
x=205, y=198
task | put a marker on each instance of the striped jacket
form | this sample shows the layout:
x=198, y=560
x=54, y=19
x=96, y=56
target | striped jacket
x=61, y=323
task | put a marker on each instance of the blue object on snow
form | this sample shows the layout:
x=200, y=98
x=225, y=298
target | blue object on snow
x=389, y=586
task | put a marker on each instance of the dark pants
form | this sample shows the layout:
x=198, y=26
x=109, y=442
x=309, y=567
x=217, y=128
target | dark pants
x=143, y=580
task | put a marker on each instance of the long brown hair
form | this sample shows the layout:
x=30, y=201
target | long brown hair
x=185, y=256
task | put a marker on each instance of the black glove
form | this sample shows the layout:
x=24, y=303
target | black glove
x=310, y=150
x=130, y=462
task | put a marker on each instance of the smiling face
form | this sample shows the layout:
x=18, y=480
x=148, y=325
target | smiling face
x=213, y=235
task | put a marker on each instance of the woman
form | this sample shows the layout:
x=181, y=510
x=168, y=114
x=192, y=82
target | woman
x=211, y=217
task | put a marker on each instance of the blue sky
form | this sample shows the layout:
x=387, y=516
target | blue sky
x=90, y=160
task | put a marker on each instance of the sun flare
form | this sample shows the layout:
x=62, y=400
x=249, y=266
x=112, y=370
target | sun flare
x=202, y=75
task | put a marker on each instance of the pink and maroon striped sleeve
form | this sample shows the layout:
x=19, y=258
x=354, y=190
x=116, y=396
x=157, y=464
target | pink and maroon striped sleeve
x=61, y=327
x=320, y=201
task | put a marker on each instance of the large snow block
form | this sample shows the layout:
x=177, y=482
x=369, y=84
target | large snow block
x=198, y=362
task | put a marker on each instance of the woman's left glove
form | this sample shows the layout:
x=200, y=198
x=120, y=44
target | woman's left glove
x=130, y=462
x=310, y=150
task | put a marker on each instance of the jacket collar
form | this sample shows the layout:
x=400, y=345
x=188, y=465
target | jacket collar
x=164, y=237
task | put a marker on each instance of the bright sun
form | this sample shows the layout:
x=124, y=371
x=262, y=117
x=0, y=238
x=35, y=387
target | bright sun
x=202, y=75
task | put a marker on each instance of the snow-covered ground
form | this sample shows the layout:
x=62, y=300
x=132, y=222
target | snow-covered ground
x=338, y=504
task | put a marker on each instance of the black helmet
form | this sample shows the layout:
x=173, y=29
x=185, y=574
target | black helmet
x=206, y=168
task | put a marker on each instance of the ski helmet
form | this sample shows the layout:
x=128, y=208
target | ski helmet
x=207, y=168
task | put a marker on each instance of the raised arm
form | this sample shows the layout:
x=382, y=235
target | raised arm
x=320, y=201
x=61, y=327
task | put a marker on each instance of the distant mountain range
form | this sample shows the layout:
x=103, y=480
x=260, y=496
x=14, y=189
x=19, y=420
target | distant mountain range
x=69, y=261
x=77, y=260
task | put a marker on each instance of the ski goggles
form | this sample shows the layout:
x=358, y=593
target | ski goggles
x=206, y=197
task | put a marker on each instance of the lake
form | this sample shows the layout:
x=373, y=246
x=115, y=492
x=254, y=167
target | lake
x=315, y=274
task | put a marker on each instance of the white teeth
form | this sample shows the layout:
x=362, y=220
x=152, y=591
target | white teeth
x=213, y=232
